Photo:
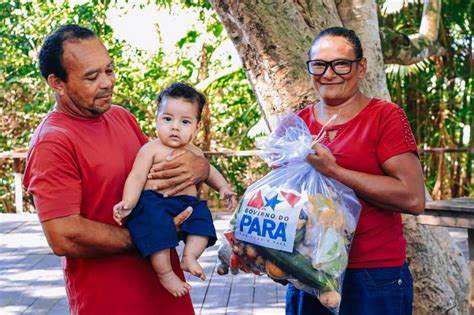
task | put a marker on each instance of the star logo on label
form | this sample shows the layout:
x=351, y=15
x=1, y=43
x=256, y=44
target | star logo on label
x=272, y=202
x=256, y=201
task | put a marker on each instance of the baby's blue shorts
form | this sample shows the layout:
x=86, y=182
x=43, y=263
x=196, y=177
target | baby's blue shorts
x=151, y=221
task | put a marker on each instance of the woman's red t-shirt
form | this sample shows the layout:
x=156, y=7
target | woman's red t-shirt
x=380, y=131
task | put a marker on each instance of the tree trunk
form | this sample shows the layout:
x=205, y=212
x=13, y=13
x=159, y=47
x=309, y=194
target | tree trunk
x=438, y=268
x=273, y=38
x=205, y=118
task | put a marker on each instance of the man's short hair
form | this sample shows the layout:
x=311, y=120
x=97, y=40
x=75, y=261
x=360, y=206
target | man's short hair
x=184, y=91
x=51, y=53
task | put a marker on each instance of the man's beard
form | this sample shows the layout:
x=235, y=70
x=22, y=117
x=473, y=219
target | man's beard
x=95, y=111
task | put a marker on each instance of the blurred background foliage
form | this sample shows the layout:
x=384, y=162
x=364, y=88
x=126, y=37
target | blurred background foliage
x=26, y=98
x=436, y=93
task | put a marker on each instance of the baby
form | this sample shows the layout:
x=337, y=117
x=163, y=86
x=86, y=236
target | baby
x=151, y=221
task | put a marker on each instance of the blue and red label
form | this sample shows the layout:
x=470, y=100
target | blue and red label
x=268, y=217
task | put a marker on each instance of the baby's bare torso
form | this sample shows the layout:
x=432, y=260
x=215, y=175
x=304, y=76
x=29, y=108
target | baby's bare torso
x=160, y=153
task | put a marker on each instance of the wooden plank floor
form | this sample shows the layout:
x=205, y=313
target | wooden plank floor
x=31, y=279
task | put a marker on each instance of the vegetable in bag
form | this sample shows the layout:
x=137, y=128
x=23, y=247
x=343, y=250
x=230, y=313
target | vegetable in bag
x=294, y=224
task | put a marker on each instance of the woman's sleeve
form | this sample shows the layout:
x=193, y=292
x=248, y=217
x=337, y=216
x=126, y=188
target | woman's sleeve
x=395, y=135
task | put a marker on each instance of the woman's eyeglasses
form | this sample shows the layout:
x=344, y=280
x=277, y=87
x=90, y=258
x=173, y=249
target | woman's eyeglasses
x=339, y=66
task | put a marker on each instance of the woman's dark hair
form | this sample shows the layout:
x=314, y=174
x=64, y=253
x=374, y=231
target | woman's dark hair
x=337, y=31
x=184, y=91
x=51, y=53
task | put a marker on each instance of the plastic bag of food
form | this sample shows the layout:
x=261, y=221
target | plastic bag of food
x=294, y=224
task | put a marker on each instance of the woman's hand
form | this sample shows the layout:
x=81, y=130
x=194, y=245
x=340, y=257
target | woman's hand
x=180, y=170
x=323, y=161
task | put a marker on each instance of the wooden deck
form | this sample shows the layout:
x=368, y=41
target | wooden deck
x=31, y=279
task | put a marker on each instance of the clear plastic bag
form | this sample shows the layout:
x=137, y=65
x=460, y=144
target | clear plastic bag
x=294, y=224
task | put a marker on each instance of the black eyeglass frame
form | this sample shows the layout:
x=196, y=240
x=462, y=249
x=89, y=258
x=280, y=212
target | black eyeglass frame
x=330, y=64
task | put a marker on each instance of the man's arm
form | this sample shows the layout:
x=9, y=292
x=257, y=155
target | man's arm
x=215, y=179
x=76, y=236
x=181, y=170
x=55, y=183
x=400, y=190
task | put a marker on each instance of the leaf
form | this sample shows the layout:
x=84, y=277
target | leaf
x=188, y=39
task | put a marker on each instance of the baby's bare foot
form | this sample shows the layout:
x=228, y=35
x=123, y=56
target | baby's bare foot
x=171, y=282
x=191, y=265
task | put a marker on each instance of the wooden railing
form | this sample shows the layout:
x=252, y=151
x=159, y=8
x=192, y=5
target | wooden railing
x=19, y=156
x=18, y=174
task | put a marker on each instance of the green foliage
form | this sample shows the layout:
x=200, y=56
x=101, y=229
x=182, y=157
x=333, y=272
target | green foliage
x=437, y=94
x=24, y=95
x=235, y=111
x=26, y=98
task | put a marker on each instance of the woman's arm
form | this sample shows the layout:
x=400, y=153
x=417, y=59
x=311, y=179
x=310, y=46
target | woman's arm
x=401, y=189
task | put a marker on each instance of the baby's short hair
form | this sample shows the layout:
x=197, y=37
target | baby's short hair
x=184, y=91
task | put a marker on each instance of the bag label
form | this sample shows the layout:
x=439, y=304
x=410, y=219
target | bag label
x=268, y=217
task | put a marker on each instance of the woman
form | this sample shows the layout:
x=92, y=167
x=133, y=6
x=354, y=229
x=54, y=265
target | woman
x=373, y=152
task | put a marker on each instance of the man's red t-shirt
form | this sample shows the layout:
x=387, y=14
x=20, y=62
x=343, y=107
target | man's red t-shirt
x=380, y=131
x=79, y=166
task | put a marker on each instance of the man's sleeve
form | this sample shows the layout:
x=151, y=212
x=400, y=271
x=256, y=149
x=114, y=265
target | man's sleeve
x=54, y=180
x=395, y=135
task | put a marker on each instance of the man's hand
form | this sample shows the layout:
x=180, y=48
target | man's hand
x=323, y=161
x=180, y=170
x=180, y=218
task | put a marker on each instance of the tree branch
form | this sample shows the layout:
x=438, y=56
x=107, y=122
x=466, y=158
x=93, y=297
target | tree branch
x=399, y=48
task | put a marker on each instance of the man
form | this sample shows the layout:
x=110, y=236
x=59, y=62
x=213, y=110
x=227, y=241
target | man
x=78, y=161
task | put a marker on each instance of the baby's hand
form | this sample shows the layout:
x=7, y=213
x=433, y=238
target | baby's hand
x=226, y=192
x=121, y=210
